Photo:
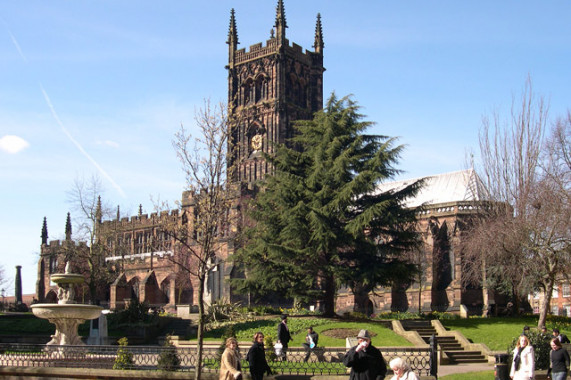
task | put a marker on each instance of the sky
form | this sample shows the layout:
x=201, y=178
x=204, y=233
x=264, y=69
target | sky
x=99, y=88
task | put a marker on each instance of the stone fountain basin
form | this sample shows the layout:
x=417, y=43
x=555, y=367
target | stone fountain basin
x=66, y=311
x=67, y=278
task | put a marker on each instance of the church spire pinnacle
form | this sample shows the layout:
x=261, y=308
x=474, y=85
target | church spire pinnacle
x=45, y=231
x=232, y=31
x=68, y=227
x=318, y=45
x=280, y=22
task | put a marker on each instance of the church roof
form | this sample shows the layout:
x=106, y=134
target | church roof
x=464, y=185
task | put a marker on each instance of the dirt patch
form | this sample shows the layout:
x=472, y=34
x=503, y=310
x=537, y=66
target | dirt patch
x=344, y=333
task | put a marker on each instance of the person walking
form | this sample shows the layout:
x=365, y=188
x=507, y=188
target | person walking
x=562, y=337
x=284, y=337
x=365, y=360
x=257, y=358
x=559, y=361
x=310, y=342
x=523, y=363
x=402, y=370
x=230, y=361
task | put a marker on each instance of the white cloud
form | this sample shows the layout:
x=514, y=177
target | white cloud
x=13, y=144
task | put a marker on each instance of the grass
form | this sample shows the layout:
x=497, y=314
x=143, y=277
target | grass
x=244, y=331
x=484, y=375
x=496, y=333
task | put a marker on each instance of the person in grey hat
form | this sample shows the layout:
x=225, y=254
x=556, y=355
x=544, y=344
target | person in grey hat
x=365, y=360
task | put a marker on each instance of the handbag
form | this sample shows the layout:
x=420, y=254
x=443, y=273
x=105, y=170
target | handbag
x=278, y=347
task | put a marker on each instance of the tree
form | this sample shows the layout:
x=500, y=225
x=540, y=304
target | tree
x=199, y=238
x=85, y=198
x=522, y=241
x=319, y=221
x=2, y=275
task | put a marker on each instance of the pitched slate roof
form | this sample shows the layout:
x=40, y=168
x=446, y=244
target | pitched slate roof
x=464, y=185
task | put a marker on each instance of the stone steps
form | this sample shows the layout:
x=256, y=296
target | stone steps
x=448, y=344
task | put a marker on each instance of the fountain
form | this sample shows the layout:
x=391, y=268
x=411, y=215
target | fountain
x=67, y=315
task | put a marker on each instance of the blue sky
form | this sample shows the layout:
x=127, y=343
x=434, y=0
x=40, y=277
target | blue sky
x=100, y=87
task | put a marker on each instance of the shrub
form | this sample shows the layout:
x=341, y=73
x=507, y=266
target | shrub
x=270, y=352
x=124, y=359
x=168, y=358
x=541, y=347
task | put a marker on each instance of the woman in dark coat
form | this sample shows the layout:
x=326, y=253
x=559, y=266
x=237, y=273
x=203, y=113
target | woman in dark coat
x=365, y=360
x=559, y=361
x=257, y=358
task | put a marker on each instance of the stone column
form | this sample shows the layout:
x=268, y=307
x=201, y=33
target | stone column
x=18, y=290
x=172, y=291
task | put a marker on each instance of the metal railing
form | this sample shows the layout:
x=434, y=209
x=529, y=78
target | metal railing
x=322, y=361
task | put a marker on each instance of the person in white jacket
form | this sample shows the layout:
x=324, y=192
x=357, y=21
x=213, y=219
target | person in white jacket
x=523, y=364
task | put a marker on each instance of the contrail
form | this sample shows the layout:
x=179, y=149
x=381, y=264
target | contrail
x=78, y=145
x=14, y=41
x=56, y=117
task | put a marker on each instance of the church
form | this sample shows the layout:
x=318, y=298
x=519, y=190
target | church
x=270, y=86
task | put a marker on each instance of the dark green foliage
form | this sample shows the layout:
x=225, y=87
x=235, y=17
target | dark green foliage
x=168, y=358
x=321, y=221
x=136, y=312
x=541, y=347
x=124, y=359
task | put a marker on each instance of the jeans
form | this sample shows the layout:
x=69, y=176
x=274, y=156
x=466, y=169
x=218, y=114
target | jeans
x=558, y=375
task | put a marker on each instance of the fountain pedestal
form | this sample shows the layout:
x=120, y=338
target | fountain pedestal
x=66, y=315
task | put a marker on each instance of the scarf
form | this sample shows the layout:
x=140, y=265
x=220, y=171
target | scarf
x=517, y=358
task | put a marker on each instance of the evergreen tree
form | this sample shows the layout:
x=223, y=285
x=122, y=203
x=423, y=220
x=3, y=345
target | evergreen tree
x=320, y=220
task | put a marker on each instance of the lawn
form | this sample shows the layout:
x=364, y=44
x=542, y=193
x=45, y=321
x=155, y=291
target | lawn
x=332, y=333
x=498, y=333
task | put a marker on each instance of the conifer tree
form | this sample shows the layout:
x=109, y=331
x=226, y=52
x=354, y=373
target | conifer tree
x=320, y=221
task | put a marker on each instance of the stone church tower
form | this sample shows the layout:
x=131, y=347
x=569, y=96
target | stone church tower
x=269, y=88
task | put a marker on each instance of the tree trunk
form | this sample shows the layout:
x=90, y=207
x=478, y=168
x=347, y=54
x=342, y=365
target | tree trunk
x=546, y=301
x=329, y=296
x=198, y=367
x=419, y=294
x=361, y=299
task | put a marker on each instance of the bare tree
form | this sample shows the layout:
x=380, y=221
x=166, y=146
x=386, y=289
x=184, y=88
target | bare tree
x=2, y=275
x=88, y=255
x=518, y=244
x=199, y=238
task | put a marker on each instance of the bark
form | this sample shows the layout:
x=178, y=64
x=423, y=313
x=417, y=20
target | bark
x=200, y=334
x=546, y=302
x=329, y=297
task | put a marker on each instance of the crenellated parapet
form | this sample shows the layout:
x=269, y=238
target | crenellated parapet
x=258, y=50
x=140, y=220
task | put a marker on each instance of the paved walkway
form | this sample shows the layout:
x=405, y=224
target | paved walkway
x=444, y=370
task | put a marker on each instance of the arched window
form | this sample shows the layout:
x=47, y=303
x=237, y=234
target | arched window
x=260, y=88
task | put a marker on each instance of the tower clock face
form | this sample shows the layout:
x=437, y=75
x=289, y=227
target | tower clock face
x=257, y=142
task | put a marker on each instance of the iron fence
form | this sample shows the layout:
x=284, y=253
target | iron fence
x=323, y=361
